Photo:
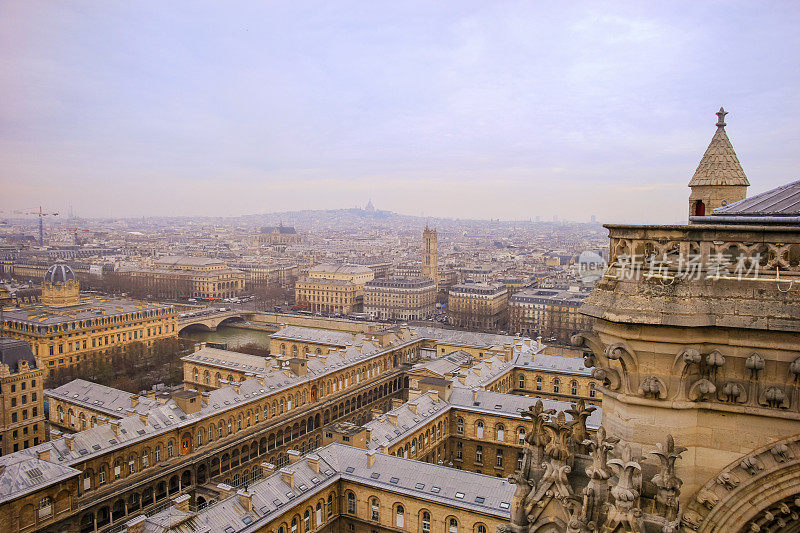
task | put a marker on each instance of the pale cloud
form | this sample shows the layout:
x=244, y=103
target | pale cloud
x=465, y=109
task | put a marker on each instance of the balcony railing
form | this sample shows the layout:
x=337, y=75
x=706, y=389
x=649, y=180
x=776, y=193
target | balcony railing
x=760, y=253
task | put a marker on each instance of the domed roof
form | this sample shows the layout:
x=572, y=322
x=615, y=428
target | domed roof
x=59, y=273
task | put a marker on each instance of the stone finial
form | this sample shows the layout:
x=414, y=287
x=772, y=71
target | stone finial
x=721, y=117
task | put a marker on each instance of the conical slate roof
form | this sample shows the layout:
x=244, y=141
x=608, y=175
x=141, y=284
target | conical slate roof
x=719, y=165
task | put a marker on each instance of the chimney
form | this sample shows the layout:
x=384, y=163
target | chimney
x=182, y=503
x=204, y=397
x=199, y=346
x=539, y=341
x=134, y=400
x=474, y=395
x=392, y=418
x=413, y=394
x=434, y=394
x=288, y=372
x=375, y=413
x=225, y=490
x=100, y=421
x=370, y=458
x=136, y=525
x=294, y=456
x=245, y=499
x=114, y=426
x=56, y=434
x=267, y=469
x=130, y=412
x=397, y=402
x=143, y=418
x=298, y=366
x=236, y=387
x=462, y=379
x=287, y=476
x=43, y=455
x=413, y=407
x=313, y=462
x=369, y=434
x=477, y=370
x=261, y=379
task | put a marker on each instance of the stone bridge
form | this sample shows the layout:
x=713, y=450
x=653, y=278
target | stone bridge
x=209, y=319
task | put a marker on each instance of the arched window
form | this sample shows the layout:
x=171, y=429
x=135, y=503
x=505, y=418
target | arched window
x=538, y=382
x=399, y=516
x=195, y=374
x=170, y=449
x=351, y=503
x=556, y=385
x=480, y=529
x=479, y=454
x=283, y=349
x=574, y=388
x=460, y=425
x=521, y=436
x=592, y=391
x=319, y=513
x=158, y=453
x=479, y=429
x=294, y=351
x=501, y=432
x=307, y=521
x=206, y=377
x=376, y=510
x=452, y=525
x=294, y=525
x=131, y=464
x=522, y=382
x=499, y=458
x=426, y=522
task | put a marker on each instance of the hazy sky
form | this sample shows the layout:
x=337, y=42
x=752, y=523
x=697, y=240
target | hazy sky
x=465, y=109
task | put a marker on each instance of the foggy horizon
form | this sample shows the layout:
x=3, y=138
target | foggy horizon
x=456, y=110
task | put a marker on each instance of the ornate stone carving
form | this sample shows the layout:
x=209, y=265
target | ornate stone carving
x=754, y=363
x=734, y=392
x=701, y=390
x=751, y=465
x=653, y=387
x=727, y=480
x=623, y=511
x=781, y=452
x=669, y=485
x=579, y=413
x=773, y=397
x=610, y=377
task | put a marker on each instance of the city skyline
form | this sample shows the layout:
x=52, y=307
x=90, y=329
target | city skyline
x=464, y=110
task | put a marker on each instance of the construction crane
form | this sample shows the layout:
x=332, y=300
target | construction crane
x=41, y=214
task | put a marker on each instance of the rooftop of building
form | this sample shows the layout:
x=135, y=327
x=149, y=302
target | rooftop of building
x=783, y=201
x=101, y=398
x=336, y=268
x=284, y=230
x=415, y=282
x=13, y=351
x=457, y=489
x=549, y=296
x=479, y=288
x=230, y=360
x=88, y=309
x=188, y=260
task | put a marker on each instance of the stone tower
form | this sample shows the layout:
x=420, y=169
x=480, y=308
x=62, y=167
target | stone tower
x=719, y=179
x=430, y=257
x=60, y=286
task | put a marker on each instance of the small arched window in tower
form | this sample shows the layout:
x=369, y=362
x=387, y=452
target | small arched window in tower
x=699, y=208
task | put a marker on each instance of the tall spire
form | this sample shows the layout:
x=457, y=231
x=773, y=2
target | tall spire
x=719, y=165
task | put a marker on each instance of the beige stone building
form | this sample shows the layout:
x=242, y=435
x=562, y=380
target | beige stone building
x=548, y=313
x=65, y=329
x=479, y=306
x=21, y=397
x=184, y=277
x=333, y=296
x=400, y=298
